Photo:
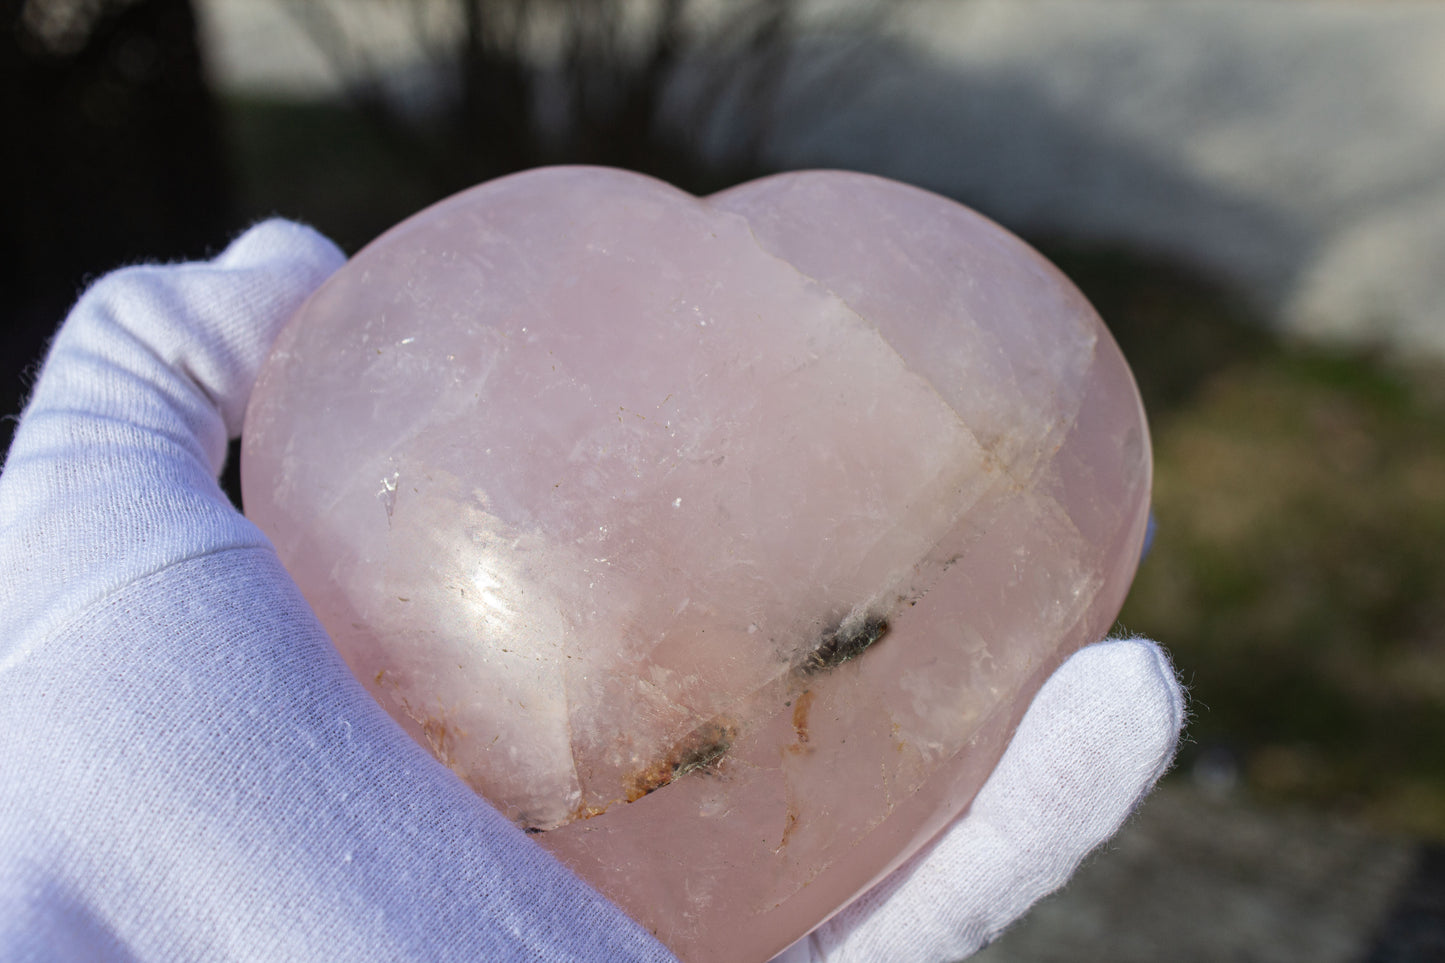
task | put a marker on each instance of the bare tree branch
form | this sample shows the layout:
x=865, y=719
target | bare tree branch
x=616, y=64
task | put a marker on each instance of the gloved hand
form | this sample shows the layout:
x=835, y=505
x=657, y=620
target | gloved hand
x=189, y=771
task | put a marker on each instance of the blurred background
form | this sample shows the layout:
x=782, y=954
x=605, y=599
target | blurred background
x=1251, y=193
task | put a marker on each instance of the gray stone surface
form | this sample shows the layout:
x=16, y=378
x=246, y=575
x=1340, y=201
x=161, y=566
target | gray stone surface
x=1293, y=148
x=1193, y=878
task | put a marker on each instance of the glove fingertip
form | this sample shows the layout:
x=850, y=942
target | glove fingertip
x=278, y=264
x=307, y=255
x=1139, y=693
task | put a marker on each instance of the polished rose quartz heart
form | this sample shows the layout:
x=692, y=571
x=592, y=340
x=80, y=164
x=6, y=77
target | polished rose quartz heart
x=719, y=543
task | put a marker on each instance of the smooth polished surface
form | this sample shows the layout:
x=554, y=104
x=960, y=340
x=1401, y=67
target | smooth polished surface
x=719, y=543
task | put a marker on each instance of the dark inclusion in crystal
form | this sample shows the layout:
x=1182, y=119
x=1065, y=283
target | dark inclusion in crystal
x=847, y=641
x=700, y=750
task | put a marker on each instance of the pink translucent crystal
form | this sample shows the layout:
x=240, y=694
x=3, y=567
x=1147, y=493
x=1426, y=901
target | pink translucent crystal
x=721, y=542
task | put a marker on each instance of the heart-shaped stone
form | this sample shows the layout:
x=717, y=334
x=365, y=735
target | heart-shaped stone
x=719, y=543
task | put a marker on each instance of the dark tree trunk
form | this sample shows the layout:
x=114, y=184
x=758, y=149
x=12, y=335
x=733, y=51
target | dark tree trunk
x=110, y=150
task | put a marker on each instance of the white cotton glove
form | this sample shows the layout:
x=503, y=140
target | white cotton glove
x=189, y=771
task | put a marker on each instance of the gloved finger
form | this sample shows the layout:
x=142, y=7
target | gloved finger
x=1096, y=738
x=112, y=471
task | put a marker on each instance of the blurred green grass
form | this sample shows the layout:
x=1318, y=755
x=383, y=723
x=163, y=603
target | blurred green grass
x=1297, y=576
x=1298, y=572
